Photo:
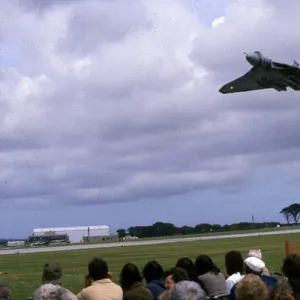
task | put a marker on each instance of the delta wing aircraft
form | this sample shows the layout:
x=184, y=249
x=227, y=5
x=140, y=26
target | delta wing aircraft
x=265, y=74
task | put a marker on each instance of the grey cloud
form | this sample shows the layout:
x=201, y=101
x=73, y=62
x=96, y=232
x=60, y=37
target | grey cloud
x=123, y=112
x=93, y=23
x=42, y=5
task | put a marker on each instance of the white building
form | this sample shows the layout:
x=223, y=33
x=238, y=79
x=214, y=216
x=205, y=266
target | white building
x=75, y=234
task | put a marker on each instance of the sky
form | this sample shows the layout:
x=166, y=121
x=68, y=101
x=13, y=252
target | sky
x=111, y=115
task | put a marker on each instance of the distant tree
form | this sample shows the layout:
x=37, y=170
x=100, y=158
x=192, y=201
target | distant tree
x=121, y=234
x=294, y=211
x=201, y=228
x=216, y=227
x=286, y=214
x=163, y=229
x=186, y=230
x=132, y=231
x=226, y=227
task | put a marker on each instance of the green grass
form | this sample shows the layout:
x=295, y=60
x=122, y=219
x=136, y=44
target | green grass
x=24, y=270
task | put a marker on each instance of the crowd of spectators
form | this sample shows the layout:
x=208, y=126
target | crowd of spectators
x=244, y=279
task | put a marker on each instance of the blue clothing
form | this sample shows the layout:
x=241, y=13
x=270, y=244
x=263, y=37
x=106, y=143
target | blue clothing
x=156, y=287
x=268, y=280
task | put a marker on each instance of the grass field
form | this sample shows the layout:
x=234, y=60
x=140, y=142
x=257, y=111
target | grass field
x=24, y=270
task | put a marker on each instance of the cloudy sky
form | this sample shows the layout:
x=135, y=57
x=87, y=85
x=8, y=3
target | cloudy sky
x=110, y=113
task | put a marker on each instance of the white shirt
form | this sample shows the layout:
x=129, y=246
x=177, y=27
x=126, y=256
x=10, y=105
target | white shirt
x=232, y=280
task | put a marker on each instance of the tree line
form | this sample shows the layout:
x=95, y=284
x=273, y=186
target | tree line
x=290, y=213
x=167, y=229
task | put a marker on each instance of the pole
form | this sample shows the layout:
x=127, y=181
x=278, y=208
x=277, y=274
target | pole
x=287, y=248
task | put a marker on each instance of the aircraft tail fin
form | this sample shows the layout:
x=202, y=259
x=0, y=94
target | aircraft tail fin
x=296, y=63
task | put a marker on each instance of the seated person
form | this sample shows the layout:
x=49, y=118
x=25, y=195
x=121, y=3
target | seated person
x=131, y=283
x=234, y=267
x=255, y=266
x=187, y=290
x=258, y=254
x=210, y=277
x=153, y=274
x=51, y=291
x=251, y=287
x=102, y=287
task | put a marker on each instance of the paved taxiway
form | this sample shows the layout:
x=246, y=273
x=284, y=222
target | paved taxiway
x=147, y=242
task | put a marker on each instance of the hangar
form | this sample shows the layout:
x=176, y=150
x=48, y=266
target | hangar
x=76, y=234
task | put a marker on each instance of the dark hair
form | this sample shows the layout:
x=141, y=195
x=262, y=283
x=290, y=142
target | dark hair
x=291, y=266
x=98, y=269
x=130, y=274
x=168, y=273
x=4, y=291
x=234, y=262
x=152, y=271
x=249, y=271
x=179, y=274
x=204, y=264
x=187, y=264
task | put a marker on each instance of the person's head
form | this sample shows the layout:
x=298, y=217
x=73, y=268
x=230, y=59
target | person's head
x=4, y=291
x=251, y=287
x=291, y=266
x=98, y=269
x=187, y=264
x=173, y=276
x=130, y=274
x=254, y=265
x=187, y=290
x=168, y=277
x=152, y=271
x=164, y=295
x=282, y=291
x=52, y=273
x=204, y=264
x=179, y=274
x=234, y=262
x=51, y=291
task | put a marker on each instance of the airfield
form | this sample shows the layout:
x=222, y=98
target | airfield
x=23, y=271
x=147, y=242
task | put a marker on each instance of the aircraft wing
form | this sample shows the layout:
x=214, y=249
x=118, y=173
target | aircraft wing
x=245, y=83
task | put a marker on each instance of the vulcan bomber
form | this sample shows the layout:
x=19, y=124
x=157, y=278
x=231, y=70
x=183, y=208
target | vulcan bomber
x=265, y=74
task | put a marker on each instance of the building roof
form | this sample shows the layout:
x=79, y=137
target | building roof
x=71, y=228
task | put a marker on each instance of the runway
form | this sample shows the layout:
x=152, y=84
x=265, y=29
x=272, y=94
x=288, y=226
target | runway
x=139, y=243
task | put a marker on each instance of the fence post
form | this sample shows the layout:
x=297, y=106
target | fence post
x=287, y=248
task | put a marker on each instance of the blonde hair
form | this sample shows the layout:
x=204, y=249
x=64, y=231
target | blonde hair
x=251, y=287
x=164, y=296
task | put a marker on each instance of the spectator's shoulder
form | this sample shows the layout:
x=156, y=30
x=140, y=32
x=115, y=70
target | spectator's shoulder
x=269, y=279
x=81, y=294
x=71, y=295
x=117, y=286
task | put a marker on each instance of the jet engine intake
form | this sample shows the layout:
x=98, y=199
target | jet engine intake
x=256, y=59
